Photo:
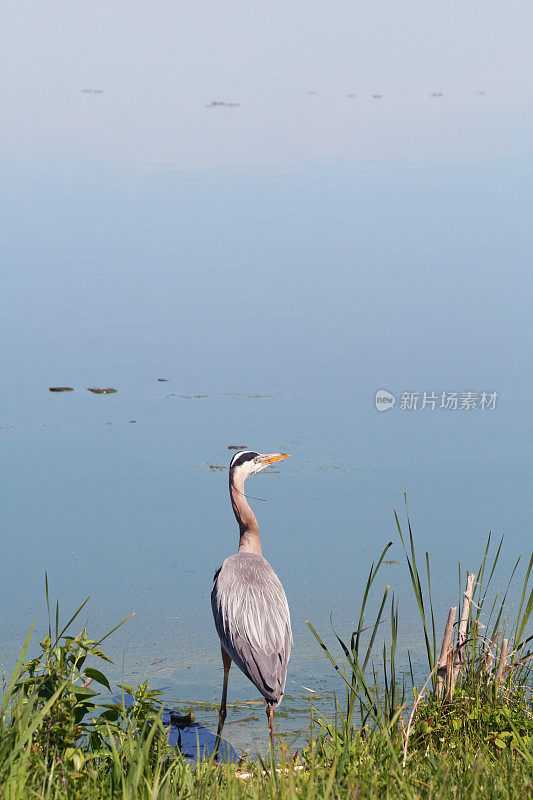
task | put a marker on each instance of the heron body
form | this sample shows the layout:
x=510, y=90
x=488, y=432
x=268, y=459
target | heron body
x=248, y=601
x=252, y=619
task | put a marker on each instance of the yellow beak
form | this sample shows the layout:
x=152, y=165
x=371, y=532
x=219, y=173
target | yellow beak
x=267, y=460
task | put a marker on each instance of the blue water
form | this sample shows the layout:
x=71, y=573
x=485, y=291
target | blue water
x=277, y=263
x=275, y=307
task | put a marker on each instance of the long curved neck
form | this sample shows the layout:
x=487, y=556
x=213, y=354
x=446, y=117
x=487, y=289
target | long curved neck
x=249, y=529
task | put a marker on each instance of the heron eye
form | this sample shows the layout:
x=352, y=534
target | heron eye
x=256, y=460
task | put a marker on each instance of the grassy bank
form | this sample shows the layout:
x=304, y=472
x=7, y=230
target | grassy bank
x=466, y=733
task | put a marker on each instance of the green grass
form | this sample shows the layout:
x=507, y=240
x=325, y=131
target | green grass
x=61, y=737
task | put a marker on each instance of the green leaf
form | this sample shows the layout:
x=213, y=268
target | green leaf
x=79, y=714
x=95, y=651
x=97, y=676
x=82, y=692
x=111, y=715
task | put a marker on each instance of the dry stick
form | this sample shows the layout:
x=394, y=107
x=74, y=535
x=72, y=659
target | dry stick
x=412, y=714
x=489, y=657
x=443, y=658
x=449, y=673
x=503, y=658
x=518, y=655
x=463, y=627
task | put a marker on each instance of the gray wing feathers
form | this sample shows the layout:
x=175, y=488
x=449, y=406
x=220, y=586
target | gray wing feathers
x=253, y=621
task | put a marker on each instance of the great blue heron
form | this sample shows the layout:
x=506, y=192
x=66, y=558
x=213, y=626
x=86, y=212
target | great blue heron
x=249, y=605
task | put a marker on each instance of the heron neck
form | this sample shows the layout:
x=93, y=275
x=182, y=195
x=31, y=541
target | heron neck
x=249, y=529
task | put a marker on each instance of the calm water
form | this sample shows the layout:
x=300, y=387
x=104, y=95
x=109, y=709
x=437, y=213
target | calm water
x=276, y=284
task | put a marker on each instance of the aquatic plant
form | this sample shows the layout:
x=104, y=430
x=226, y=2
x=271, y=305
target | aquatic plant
x=478, y=690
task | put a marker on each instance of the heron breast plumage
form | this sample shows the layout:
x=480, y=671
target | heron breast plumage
x=253, y=621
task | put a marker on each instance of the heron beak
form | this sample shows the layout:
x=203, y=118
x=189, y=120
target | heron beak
x=267, y=460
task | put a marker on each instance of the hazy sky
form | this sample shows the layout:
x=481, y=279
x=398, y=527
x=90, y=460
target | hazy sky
x=160, y=64
x=422, y=256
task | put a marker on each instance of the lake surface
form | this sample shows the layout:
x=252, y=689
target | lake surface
x=276, y=284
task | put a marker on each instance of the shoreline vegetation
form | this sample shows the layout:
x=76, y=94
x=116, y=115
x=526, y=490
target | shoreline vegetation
x=466, y=733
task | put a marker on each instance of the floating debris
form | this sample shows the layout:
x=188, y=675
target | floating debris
x=132, y=420
x=307, y=689
x=215, y=467
x=218, y=103
x=92, y=91
x=60, y=389
x=245, y=776
x=350, y=95
x=181, y=719
x=236, y=447
x=101, y=391
x=312, y=91
x=163, y=380
x=391, y=562
x=205, y=704
x=436, y=94
x=377, y=96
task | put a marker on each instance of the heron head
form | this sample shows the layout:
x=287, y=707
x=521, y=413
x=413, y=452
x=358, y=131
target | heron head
x=248, y=462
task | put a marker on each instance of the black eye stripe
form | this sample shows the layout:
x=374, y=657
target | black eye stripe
x=242, y=458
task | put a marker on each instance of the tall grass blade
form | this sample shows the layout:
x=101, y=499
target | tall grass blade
x=71, y=620
x=16, y=672
x=116, y=627
x=520, y=625
x=36, y=722
x=48, y=605
x=325, y=649
x=370, y=581
x=417, y=587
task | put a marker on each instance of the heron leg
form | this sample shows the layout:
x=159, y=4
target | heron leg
x=270, y=715
x=226, y=661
